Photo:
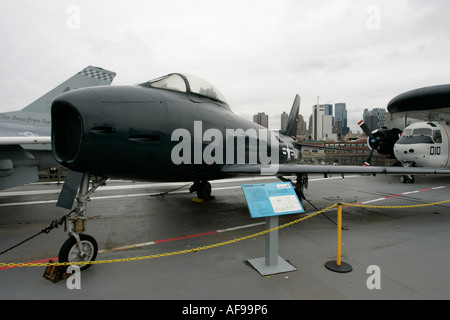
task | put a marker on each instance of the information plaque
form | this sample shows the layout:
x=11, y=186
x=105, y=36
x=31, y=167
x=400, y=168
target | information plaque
x=271, y=199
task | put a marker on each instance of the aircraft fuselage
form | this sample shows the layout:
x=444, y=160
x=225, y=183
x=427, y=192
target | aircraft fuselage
x=145, y=133
x=424, y=144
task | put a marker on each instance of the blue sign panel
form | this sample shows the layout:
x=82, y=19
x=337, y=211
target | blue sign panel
x=271, y=199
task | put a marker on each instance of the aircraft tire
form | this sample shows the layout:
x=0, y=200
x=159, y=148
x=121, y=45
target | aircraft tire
x=69, y=251
x=406, y=179
x=204, y=190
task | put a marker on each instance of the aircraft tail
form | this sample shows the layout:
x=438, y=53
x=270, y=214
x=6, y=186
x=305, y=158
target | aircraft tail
x=88, y=77
x=291, y=127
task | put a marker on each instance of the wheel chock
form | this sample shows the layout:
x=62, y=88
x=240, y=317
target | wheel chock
x=198, y=200
x=55, y=273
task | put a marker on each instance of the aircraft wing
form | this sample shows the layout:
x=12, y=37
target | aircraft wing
x=292, y=169
x=17, y=164
x=24, y=140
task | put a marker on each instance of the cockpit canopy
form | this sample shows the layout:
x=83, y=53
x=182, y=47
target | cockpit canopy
x=189, y=84
x=421, y=134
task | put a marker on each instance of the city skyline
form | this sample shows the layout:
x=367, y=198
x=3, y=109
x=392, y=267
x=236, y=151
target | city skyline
x=335, y=126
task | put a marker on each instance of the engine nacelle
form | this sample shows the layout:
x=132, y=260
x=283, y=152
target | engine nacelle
x=383, y=141
x=92, y=126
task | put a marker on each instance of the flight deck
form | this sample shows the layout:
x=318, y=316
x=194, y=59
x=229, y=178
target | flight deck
x=408, y=247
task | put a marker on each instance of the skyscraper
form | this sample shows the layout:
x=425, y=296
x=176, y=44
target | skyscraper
x=284, y=120
x=371, y=121
x=340, y=112
x=262, y=119
x=317, y=114
x=322, y=124
x=302, y=128
x=380, y=113
x=328, y=109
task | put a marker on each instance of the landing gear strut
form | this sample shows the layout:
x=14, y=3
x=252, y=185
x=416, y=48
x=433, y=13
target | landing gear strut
x=80, y=247
x=299, y=186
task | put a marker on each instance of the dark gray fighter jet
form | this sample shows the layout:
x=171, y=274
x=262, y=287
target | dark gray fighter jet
x=175, y=128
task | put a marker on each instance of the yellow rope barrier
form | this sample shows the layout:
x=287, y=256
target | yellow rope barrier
x=40, y=264
x=395, y=207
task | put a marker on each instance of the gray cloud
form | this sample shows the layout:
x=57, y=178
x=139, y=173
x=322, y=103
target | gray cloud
x=258, y=53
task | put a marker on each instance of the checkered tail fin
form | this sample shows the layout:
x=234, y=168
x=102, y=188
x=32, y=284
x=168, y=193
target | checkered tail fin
x=88, y=77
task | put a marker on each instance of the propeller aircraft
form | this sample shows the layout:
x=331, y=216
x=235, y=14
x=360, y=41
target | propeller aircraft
x=422, y=143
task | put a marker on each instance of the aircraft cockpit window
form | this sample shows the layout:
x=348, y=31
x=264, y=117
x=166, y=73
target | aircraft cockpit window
x=187, y=83
x=170, y=82
x=422, y=132
x=420, y=136
x=437, y=136
x=407, y=133
x=204, y=88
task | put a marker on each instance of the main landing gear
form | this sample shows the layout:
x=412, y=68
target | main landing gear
x=80, y=247
x=299, y=186
x=407, y=179
x=203, y=189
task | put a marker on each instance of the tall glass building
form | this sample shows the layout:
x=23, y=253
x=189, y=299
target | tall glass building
x=340, y=112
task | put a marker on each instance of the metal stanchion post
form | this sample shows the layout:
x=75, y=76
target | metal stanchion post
x=337, y=265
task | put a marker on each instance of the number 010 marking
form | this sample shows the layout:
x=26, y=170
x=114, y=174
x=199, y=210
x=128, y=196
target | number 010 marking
x=435, y=151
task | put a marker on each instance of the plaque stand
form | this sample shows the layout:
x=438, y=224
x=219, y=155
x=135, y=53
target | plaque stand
x=272, y=263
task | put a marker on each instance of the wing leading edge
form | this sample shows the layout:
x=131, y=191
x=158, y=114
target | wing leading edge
x=25, y=140
x=287, y=169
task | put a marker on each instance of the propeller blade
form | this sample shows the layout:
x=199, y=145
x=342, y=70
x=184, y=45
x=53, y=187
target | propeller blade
x=369, y=158
x=365, y=129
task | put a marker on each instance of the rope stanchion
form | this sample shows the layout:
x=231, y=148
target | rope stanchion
x=337, y=265
x=342, y=267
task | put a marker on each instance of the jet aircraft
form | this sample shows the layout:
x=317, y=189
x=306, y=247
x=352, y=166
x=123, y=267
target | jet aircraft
x=425, y=141
x=174, y=128
x=25, y=134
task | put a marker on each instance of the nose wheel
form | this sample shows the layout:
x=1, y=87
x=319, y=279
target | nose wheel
x=79, y=248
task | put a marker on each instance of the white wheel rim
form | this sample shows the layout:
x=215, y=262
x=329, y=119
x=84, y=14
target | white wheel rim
x=75, y=253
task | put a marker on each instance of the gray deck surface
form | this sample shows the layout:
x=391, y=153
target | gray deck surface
x=410, y=246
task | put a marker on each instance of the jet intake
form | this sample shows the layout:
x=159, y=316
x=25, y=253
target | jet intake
x=66, y=132
x=110, y=139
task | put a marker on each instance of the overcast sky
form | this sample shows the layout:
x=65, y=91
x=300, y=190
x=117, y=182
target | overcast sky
x=258, y=53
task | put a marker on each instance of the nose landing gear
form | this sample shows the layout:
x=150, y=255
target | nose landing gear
x=80, y=247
